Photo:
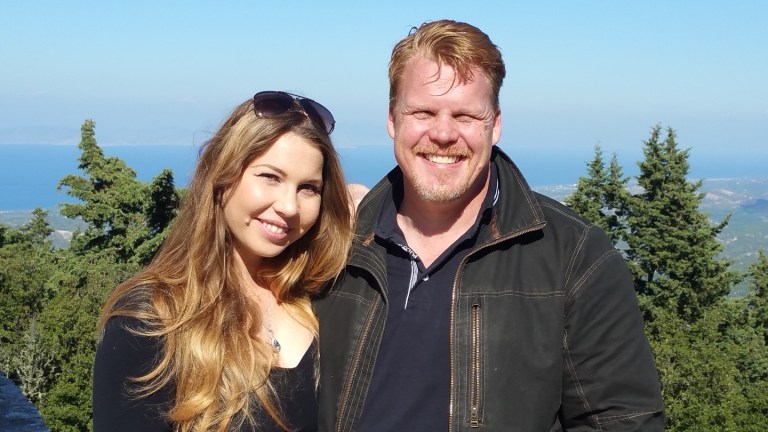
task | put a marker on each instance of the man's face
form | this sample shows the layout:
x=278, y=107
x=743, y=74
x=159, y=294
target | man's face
x=443, y=131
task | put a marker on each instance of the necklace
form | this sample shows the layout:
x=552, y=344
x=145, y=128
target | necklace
x=272, y=339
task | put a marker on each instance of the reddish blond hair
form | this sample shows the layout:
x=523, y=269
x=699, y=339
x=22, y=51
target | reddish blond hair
x=461, y=46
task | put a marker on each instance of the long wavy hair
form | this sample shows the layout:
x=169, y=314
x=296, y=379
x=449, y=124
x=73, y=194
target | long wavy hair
x=192, y=295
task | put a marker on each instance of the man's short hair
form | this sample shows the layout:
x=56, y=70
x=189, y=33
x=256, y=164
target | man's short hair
x=462, y=46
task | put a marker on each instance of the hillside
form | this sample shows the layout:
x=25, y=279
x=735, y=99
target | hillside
x=744, y=199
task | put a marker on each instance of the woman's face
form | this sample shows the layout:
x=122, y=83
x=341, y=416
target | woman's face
x=277, y=199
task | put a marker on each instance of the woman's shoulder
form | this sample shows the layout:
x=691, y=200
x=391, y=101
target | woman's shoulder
x=124, y=353
x=128, y=320
x=128, y=335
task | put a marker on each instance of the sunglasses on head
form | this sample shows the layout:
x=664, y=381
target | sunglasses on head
x=268, y=104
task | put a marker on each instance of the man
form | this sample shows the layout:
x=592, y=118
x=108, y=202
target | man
x=469, y=301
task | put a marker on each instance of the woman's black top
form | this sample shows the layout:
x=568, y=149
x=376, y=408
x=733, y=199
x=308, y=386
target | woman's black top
x=122, y=355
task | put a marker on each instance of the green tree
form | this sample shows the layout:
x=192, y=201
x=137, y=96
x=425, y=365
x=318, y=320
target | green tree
x=160, y=210
x=710, y=350
x=113, y=202
x=33, y=364
x=125, y=223
x=68, y=326
x=706, y=356
x=758, y=295
x=601, y=196
x=712, y=371
x=26, y=262
x=673, y=249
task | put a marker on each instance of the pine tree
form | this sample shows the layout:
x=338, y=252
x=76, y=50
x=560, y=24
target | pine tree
x=26, y=259
x=124, y=215
x=587, y=199
x=705, y=355
x=113, y=200
x=672, y=248
x=125, y=221
x=758, y=294
x=601, y=196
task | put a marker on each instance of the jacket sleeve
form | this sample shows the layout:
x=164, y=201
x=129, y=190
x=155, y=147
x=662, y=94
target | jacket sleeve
x=610, y=381
x=120, y=356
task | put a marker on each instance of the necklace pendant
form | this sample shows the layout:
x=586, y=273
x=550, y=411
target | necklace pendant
x=273, y=340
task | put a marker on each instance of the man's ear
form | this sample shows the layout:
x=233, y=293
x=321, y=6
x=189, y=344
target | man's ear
x=391, y=122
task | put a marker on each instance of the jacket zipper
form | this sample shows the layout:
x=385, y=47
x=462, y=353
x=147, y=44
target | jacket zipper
x=474, y=375
x=452, y=343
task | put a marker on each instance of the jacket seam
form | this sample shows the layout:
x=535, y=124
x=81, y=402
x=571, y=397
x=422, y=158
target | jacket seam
x=577, y=382
x=592, y=268
x=617, y=418
x=572, y=262
x=513, y=294
x=355, y=384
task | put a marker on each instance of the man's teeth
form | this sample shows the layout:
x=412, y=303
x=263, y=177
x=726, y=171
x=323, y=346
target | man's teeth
x=274, y=228
x=442, y=159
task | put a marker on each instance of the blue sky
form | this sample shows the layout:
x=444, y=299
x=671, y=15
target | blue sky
x=580, y=73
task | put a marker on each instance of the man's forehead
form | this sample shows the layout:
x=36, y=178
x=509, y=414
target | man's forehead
x=430, y=70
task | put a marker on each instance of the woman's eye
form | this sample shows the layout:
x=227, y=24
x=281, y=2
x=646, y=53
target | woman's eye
x=311, y=189
x=272, y=178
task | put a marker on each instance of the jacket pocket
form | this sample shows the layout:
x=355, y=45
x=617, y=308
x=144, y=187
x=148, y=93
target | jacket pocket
x=475, y=365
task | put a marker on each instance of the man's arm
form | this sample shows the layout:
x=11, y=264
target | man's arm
x=610, y=381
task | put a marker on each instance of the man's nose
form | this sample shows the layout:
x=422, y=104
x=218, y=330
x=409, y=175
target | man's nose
x=444, y=130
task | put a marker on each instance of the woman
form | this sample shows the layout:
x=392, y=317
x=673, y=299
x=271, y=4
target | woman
x=217, y=333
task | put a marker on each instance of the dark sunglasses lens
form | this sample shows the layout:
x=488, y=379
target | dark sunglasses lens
x=270, y=103
x=319, y=114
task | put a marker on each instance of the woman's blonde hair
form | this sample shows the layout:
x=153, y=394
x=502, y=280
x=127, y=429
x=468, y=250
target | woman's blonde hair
x=192, y=295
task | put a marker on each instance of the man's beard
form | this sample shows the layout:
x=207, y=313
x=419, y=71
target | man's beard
x=440, y=192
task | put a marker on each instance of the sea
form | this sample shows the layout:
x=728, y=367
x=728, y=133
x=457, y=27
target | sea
x=30, y=173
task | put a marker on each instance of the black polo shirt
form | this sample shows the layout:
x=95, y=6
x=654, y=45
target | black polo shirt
x=410, y=388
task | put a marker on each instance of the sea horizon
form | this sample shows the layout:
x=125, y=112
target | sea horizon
x=29, y=173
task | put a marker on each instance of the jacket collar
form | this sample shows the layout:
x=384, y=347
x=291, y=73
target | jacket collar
x=517, y=210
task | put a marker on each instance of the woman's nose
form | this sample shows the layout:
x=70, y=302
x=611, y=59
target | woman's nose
x=286, y=203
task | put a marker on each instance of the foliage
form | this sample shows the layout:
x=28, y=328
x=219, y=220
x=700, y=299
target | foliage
x=26, y=263
x=758, y=295
x=33, y=364
x=52, y=298
x=601, y=196
x=69, y=325
x=710, y=350
x=123, y=214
